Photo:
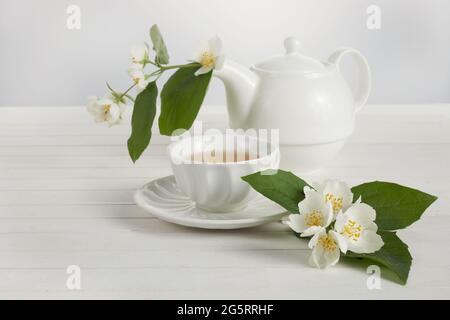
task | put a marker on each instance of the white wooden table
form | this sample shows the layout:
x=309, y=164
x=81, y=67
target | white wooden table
x=66, y=198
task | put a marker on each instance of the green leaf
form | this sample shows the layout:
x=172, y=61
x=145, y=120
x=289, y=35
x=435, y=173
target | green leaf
x=394, y=255
x=162, y=57
x=181, y=99
x=284, y=187
x=397, y=206
x=142, y=120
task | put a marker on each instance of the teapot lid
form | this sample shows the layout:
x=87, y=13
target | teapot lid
x=291, y=61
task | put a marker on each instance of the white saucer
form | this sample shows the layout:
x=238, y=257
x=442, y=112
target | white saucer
x=163, y=199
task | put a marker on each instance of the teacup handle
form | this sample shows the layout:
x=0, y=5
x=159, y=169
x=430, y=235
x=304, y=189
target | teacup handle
x=365, y=77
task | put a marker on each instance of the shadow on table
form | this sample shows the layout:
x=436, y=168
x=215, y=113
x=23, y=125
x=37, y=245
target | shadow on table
x=269, y=242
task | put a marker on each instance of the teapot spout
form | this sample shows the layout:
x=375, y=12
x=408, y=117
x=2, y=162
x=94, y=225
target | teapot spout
x=240, y=85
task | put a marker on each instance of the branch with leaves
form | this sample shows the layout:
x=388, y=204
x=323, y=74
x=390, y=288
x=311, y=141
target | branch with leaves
x=356, y=223
x=181, y=96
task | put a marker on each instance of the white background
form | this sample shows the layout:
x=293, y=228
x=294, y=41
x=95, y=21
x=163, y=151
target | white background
x=44, y=63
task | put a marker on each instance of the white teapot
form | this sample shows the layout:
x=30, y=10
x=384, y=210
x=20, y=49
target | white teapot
x=309, y=101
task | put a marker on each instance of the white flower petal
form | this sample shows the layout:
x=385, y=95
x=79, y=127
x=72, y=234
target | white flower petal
x=329, y=217
x=308, y=232
x=215, y=45
x=210, y=57
x=369, y=242
x=331, y=257
x=142, y=84
x=315, y=198
x=316, y=258
x=313, y=242
x=372, y=226
x=136, y=74
x=325, y=252
x=306, y=205
x=220, y=60
x=138, y=53
x=340, y=240
x=105, y=101
x=93, y=108
x=362, y=212
x=339, y=224
x=296, y=222
x=203, y=70
x=92, y=100
x=307, y=190
x=114, y=114
x=96, y=109
x=198, y=57
x=338, y=193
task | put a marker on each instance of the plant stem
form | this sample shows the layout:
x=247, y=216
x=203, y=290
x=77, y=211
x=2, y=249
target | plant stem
x=129, y=97
x=126, y=91
x=152, y=63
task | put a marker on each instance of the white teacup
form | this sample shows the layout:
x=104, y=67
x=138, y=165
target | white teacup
x=209, y=168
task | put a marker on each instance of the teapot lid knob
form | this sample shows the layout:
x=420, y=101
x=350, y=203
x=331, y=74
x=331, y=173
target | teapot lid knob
x=291, y=45
x=290, y=62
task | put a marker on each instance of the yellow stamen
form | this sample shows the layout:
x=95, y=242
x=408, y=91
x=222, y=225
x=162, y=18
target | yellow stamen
x=314, y=219
x=352, y=230
x=106, y=108
x=327, y=243
x=336, y=202
x=207, y=59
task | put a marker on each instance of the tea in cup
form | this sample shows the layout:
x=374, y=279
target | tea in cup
x=209, y=168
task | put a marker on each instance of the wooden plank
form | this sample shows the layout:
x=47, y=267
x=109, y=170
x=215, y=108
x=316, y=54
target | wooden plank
x=78, y=114
x=144, y=241
x=111, y=235
x=73, y=114
x=84, y=173
x=73, y=184
x=75, y=140
x=82, y=161
x=102, y=197
x=382, y=173
x=56, y=197
x=149, y=225
x=62, y=150
x=437, y=131
x=216, y=283
x=73, y=211
x=352, y=155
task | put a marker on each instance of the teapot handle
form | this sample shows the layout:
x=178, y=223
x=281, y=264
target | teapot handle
x=364, y=73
